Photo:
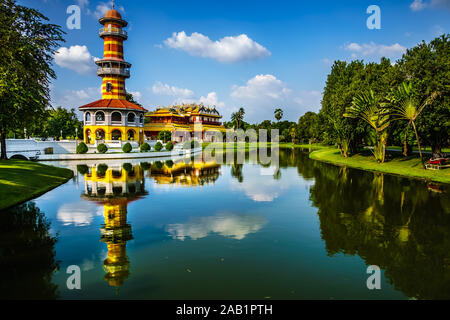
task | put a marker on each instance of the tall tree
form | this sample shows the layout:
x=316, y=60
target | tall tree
x=427, y=65
x=370, y=109
x=278, y=113
x=406, y=105
x=27, y=46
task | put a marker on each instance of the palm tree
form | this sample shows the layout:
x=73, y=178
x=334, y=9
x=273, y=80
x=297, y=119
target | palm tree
x=238, y=117
x=278, y=114
x=406, y=106
x=369, y=108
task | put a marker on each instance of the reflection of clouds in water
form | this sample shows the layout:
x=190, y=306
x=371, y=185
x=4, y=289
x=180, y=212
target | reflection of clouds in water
x=78, y=213
x=261, y=187
x=226, y=224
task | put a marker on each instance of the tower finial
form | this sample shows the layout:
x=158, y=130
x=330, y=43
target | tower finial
x=113, y=5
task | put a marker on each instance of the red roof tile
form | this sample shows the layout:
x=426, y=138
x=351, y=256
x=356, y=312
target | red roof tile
x=113, y=104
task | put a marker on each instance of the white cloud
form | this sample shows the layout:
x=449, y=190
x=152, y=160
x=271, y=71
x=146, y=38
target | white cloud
x=438, y=31
x=76, y=58
x=375, y=50
x=77, y=213
x=211, y=100
x=82, y=3
x=166, y=90
x=227, y=49
x=264, y=93
x=103, y=7
x=75, y=98
x=419, y=5
x=136, y=95
x=225, y=224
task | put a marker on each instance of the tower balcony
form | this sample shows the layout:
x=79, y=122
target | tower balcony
x=124, y=72
x=104, y=32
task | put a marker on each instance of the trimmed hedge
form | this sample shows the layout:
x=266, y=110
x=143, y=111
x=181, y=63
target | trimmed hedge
x=169, y=146
x=145, y=147
x=127, y=148
x=158, y=146
x=82, y=148
x=102, y=148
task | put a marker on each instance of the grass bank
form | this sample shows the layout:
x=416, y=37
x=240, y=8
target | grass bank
x=21, y=181
x=247, y=146
x=404, y=166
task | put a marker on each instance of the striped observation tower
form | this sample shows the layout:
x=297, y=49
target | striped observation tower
x=113, y=118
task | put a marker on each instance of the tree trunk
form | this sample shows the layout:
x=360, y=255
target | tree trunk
x=3, y=155
x=405, y=142
x=418, y=144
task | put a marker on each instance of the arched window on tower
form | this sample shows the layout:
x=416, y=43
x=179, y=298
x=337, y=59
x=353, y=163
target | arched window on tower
x=88, y=117
x=108, y=87
x=131, y=118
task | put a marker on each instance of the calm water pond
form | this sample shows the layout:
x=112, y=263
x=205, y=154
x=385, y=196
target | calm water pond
x=200, y=230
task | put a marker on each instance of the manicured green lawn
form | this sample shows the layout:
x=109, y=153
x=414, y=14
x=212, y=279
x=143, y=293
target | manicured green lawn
x=21, y=181
x=409, y=166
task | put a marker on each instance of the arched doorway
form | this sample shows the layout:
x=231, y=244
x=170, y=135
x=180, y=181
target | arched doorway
x=100, y=134
x=131, y=134
x=116, y=135
x=88, y=136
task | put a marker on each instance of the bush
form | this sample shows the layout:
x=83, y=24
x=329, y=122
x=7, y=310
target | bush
x=169, y=163
x=82, y=148
x=145, y=147
x=127, y=167
x=127, y=148
x=101, y=169
x=159, y=165
x=145, y=166
x=158, y=146
x=169, y=146
x=82, y=168
x=102, y=148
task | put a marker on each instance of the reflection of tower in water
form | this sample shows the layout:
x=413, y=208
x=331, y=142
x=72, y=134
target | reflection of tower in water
x=114, y=188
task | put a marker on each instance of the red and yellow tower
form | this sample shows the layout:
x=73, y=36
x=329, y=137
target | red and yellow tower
x=113, y=117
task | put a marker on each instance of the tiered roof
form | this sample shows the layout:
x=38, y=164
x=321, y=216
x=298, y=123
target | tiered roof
x=113, y=104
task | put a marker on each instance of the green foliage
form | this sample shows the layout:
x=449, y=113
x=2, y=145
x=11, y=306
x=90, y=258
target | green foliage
x=158, y=146
x=82, y=148
x=165, y=136
x=278, y=113
x=308, y=129
x=102, y=148
x=169, y=163
x=145, y=165
x=238, y=118
x=101, y=169
x=82, y=169
x=128, y=167
x=145, y=147
x=27, y=46
x=159, y=165
x=169, y=146
x=127, y=148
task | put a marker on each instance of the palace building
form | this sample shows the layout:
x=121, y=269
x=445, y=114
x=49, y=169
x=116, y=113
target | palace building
x=183, y=121
x=113, y=117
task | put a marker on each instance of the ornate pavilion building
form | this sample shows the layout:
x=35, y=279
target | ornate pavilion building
x=113, y=117
x=183, y=121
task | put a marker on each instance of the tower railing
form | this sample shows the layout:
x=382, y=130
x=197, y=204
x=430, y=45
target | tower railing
x=113, y=32
x=113, y=71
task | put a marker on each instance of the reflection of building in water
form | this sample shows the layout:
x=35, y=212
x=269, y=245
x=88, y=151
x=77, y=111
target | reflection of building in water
x=114, y=188
x=190, y=175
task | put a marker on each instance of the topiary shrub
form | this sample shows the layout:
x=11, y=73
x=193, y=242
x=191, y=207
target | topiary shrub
x=158, y=146
x=82, y=148
x=82, y=168
x=169, y=146
x=127, y=148
x=102, y=148
x=158, y=165
x=127, y=167
x=169, y=163
x=145, y=147
x=145, y=165
x=101, y=169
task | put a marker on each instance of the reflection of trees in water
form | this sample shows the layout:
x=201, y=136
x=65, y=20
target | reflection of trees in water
x=236, y=172
x=27, y=254
x=391, y=222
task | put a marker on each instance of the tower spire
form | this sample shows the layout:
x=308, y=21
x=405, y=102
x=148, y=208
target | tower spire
x=113, y=5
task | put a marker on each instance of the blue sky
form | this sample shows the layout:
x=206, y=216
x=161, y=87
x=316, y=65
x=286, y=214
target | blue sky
x=256, y=54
